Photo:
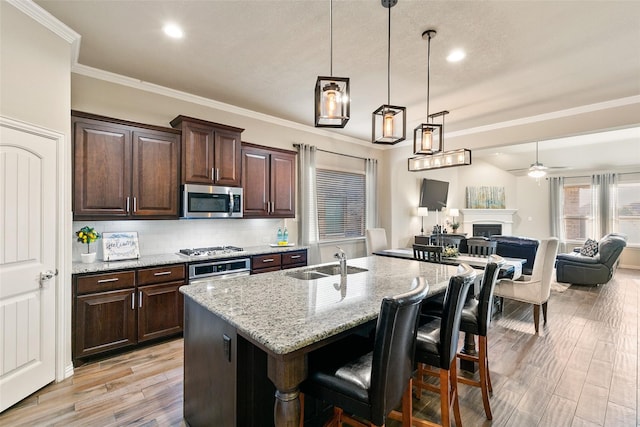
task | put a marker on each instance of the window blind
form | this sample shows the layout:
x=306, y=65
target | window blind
x=341, y=204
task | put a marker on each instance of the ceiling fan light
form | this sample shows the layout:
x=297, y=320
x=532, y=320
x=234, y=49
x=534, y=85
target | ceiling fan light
x=537, y=171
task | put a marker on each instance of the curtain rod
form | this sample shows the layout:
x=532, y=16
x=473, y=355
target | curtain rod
x=337, y=154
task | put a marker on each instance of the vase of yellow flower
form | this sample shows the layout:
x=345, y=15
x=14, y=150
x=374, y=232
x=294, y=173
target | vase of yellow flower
x=87, y=235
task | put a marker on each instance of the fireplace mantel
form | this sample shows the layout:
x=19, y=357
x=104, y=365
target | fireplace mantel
x=488, y=216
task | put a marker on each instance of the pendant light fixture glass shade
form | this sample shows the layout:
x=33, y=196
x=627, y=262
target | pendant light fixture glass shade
x=332, y=100
x=389, y=122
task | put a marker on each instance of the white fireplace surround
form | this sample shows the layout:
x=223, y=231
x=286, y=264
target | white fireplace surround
x=488, y=216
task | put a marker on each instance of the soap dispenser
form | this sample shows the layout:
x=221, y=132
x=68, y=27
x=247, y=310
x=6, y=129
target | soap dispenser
x=285, y=236
x=280, y=236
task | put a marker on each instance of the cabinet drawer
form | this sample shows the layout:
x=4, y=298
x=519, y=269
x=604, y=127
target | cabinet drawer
x=105, y=282
x=265, y=261
x=296, y=258
x=168, y=273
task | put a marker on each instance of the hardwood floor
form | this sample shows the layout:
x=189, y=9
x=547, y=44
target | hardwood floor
x=582, y=370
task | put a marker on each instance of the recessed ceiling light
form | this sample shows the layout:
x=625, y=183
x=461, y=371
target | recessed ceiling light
x=456, y=55
x=173, y=31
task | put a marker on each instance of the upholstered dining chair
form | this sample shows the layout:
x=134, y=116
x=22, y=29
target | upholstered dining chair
x=427, y=253
x=376, y=383
x=376, y=240
x=536, y=288
x=437, y=345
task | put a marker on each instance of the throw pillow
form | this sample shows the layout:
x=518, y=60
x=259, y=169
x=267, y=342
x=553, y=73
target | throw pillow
x=590, y=248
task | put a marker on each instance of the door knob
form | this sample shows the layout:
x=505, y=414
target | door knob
x=46, y=275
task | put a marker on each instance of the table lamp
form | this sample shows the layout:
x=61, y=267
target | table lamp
x=422, y=212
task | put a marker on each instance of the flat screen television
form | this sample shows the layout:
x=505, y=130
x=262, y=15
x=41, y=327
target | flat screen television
x=433, y=194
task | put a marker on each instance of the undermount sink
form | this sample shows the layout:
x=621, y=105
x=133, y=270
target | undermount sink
x=323, y=271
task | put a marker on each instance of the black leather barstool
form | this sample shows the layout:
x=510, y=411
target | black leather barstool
x=427, y=253
x=374, y=384
x=475, y=319
x=436, y=346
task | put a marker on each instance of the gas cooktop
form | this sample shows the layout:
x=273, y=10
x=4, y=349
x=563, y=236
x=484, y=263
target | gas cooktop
x=213, y=250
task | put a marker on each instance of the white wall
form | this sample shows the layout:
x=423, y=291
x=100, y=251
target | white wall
x=35, y=67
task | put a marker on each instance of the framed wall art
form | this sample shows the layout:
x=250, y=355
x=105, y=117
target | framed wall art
x=120, y=245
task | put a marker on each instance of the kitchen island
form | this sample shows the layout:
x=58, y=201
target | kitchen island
x=239, y=332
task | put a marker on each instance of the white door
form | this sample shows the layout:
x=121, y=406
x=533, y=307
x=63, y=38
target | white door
x=28, y=215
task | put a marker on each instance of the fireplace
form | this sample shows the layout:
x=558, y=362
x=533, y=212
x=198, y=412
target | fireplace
x=498, y=221
x=487, y=230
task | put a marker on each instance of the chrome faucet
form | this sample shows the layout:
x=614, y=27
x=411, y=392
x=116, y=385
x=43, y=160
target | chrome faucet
x=342, y=257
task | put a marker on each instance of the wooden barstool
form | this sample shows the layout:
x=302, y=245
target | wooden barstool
x=476, y=317
x=436, y=348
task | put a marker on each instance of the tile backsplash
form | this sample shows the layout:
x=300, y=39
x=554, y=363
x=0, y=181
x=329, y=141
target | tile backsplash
x=159, y=237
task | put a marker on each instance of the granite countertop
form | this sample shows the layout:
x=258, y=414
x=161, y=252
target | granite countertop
x=283, y=314
x=174, y=258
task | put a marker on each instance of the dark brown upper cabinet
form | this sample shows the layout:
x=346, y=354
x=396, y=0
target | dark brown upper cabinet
x=268, y=182
x=210, y=152
x=123, y=170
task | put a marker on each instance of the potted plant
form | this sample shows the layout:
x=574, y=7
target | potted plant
x=454, y=225
x=87, y=235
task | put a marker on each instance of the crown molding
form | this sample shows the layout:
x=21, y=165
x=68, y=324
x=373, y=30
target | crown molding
x=195, y=99
x=50, y=22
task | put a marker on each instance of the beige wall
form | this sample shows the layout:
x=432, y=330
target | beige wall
x=35, y=87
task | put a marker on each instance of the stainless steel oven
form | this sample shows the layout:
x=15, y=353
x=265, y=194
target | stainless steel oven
x=210, y=201
x=219, y=269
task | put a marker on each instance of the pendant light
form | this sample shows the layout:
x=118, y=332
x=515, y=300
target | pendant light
x=427, y=137
x=332, y=101
x=389, y=124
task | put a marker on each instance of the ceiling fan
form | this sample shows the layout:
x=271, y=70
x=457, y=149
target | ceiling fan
x=537, y=169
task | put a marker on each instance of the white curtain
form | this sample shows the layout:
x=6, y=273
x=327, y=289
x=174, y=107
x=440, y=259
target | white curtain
x=556, y=202
x=371, y=189
x=308, y=224
x=604, y=191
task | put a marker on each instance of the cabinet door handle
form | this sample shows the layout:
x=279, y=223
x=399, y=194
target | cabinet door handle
x=213, y=174
x=162, y=273
x=115, y=279
x=140, y=299
x=268, y=260
x=133, y=300
x=295, y=256
x=127, y=204
x=217, y=174
x=135, y=205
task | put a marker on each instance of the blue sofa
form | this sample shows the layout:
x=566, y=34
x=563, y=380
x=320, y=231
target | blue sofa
x=517, y=247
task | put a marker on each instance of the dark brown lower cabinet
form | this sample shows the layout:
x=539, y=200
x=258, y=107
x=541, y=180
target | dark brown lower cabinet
x=160, y=311
x=104, y=321
x=121, y=309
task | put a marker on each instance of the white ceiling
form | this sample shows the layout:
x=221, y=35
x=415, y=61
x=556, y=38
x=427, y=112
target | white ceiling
x=535, y=70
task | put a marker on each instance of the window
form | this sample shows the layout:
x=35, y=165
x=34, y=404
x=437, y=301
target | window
x=341, y=204
x=628, y=210
x=578, y=212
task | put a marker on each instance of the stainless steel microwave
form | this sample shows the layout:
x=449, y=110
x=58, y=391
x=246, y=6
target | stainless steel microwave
x=209, y=201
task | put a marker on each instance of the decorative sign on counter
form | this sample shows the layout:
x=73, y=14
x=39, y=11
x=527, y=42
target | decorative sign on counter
x=121, y=245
